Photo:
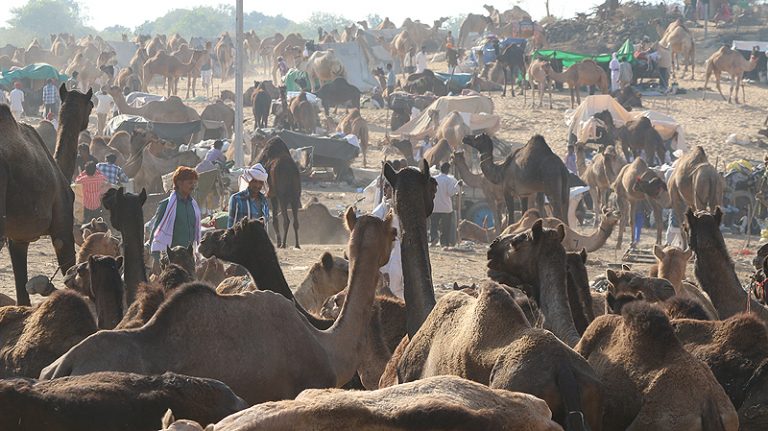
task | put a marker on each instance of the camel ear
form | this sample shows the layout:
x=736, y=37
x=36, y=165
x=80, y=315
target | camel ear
x=142, y=196
x=688, y=253
x=327, y=261
x=612, y=276
x=690, y=217
x=625, y=267
x=390, y=174
x=351, y=219
x=86, y=233
x=168, y=419
x=119, y=262
x=456, y=286
x=537, y=229
x=191, y=250
x=89, y=94
x=168, y=251
x=718, y=215
x=658, y=252
x=583, y=255
x=561, y=231
x=63, y=92
x=610, y=302
x=425, y=168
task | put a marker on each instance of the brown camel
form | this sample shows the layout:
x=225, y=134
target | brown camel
x=653, y=289
x=175, y=42
x=473, y=23
x=438, y=153
x=101, y=149
x=329, y=229
x=494, y=193
x=137, y=64
x=458, y=338
x=443, y=403
x=680, y=42
x=150, y=296
x=537, y=74
x=171, y=68
x=671, y=265
x=330, y=357
x=224, y=53
x=473, y=232
x=323, y=280
x=322, y=67
x=266, y=47
x=156, y=44
x=303, y=113
x=733, y=63
x=98, y=243
x=182, y=256
x=35, y=198
x=93, y=226
x=654, y=383
x=573, y=241
x=634, y=183
x=353, y=123
x=282, y=49
x=113, y=401
x=586, y=72
x=220, y=111
x=713, y=267
x=635, y=137
x=172, y=110
x=401, y=45
x=600, y=174
x=261, y=104
x=198, y=57
x=531, y=169
x=284, y=187
x=48, y=134
x=452, y=128
x=251, y=45
x=695, y=184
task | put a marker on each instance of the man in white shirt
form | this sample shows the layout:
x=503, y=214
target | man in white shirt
x=17, y=101
x=421, y=60
x=442, y=215
x=104, y=103
x=615, y=67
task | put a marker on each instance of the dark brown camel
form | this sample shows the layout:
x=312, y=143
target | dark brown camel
x=494, y=193
x=529, y=170
x=182, y=256
x=35, y=198
x=261, y=102
x=107, y=290
x=512, y=59
x=635, y=136
x=115, y=402
x=126, y=216
x=284, y=187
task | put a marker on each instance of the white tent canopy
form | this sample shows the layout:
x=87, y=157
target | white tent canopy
x=476, y=111
x=577, y=118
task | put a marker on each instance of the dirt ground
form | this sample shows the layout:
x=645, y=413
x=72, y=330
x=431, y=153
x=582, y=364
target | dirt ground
x=706, y=118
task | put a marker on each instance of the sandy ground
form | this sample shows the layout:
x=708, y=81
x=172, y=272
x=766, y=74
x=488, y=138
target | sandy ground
x=707, y=119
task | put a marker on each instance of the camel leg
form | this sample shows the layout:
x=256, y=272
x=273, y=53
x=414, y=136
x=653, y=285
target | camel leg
x=18, y=252
x=510, y=201
x=657, y=218
x=717, y=83
x=295, y=210
x=286, y=221
x=594, y=193
x=274, y=202
x=632, y=210
x=622, y=222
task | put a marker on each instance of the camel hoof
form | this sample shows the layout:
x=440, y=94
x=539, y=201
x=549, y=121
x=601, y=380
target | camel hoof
x=297, y=247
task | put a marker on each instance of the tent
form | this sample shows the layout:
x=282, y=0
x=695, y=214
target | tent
x=359, y=60
x=577, y=118
x=477, y=112
x=36, y=71
x=625, y=53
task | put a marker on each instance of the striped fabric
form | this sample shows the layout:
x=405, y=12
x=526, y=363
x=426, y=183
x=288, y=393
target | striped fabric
x=93, y=187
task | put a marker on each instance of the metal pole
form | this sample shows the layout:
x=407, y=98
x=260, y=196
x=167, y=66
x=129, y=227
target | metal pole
x=239, y=158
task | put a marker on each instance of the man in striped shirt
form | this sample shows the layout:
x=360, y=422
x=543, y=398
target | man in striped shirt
x=115, y=174
x=49, y=98
x=94, y=184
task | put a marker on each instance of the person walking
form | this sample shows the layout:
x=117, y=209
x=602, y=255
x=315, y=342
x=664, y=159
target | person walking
x=250, y=202
x=664, y=63
x=114, y=174
x=177, y=220
x=104, y=104
x=391, y=80
x=615, y=67
x=49, y=98
x=94, y=184
x=421, y=60
x=442, y=214
x=452, y=57
x=17, y=100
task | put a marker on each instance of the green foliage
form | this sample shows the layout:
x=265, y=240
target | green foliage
x=327, y=21
x=44, y=17
x=454, y=24
x=374, y=20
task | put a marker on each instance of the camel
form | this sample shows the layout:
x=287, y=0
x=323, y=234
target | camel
x=330, y=357
x=323, y=280
x=654, y=383
x=261, y=103
x=531, y=169
x=635, y=136
x=118, y=143
x=329, y=229
x=401, y=45
x=537, y=74
x=35, y=198
x=284, y=187
x=97, y=243
x=473, y=23
x=182, y=256
x=680, y=42
x=443, y=403
x=573, y=241
x=87, y=70
x=586, y=72
x=156, y=44
x=458, y=339
x=171, y=68
x=452, y=128
x=695, y=184
x=354, y=124
x=113, y=401
x=48, y=134
x=172, y=110
x=282, y=49
x=713, y=266
x=198, y=57
x=512, y=59
x=494, y=193
x=266, y=47
x=220, y=111
x=94, y=226
x=671, y=264
x=284, y=118
x=175, y=42
x=137, y=64
x=251, y=44
x=224, y=53
x=634, y=183
x=149, y=175
x=599, y=175
x=322, y=67
x=733, y=63
x=338, y=92
x=303, y=113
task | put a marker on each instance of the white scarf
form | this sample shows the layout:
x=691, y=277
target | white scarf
x=164, y=232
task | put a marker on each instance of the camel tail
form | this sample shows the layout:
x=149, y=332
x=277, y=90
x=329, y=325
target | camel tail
x=569, y=391
x=710, y=418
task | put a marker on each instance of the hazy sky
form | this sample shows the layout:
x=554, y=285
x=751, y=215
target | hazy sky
x=104, y=13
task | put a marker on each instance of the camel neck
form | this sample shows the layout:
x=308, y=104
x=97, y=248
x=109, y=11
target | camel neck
x=553, y=299
x=417, y=273
x=493, y=172
x=135, y=273
x=65, y=153
x=472, y=179
x=717, y=277
x=673, y=274
x=123, y=106
x=267, y=274
x=346, y=338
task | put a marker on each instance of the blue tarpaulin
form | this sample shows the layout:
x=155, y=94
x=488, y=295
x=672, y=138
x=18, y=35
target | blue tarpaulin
x=36, y=71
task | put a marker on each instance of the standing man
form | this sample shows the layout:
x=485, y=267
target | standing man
x=391, y=80
x=449, y=39
x=114, y=174
x=408, y=61
x=72, y=82
x=104, y=104
x=250, y=201
x=84, y=156
x=421, y=60
x=570, y=160
x=49, y=98
x=442, y=215
x=615, y=68
x=664, y=63
x=177, y=220
x=452, y=56
x=94, y=185
x=17, y=100
x=206, y=72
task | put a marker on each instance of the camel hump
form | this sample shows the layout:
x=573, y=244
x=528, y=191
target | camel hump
x=645, y=319
x=745, y=331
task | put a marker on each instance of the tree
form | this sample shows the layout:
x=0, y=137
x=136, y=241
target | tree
x=374, y=20
x=44, y=17
x=327, y=21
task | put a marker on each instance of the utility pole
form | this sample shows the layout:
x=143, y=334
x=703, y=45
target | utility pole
x=239, y=157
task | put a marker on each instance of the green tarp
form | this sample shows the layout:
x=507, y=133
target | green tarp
x=37, y=71
x=291, y=77
x=625, y=53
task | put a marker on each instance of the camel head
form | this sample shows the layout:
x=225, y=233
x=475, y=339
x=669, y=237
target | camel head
x=414, y=190
x=669, y=256
x=106, y=289
x=650, y=186
x=324, y=279
x=615, y=303
x=606, y=117
x=518, y=254
x=611, y=216
x=75, y=106
x=370, y=232
x=77, y=278
x=247, y=237
x=703, y=230
x=182, y=256
x=125, y=210
x=653, y=289
x=481, y=143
